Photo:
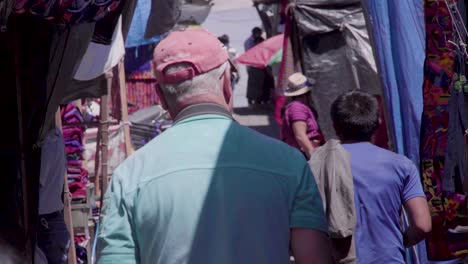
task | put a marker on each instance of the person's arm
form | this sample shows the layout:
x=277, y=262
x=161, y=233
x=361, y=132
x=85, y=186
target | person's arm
x=415, y=204
x=310, y=246
x=300, y=132
x=309, y=229
x=116, y=242
x=419, y=221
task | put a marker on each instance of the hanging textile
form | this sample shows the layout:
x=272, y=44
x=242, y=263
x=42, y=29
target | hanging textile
x=289, y=62
x=141, y=81
x=140, y=95
x=71, y=12
x=100, y=58
x=138, y=27
x=449, y=209
x=74, y=147
x=397, y=30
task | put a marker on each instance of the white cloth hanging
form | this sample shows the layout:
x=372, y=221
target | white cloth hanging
x=99, y=58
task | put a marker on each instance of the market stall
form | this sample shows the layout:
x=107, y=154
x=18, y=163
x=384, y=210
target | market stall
x=411, y=54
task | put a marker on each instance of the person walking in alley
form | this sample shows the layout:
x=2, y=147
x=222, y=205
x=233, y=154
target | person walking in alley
x=384, y=182
x=259, y=81
x=235, y=77
x=208, y=190
x=300, y=128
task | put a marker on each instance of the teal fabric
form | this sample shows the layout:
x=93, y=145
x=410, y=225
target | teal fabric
x=208, y=191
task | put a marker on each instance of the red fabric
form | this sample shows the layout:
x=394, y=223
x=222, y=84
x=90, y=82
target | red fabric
x=260, y=55
x=141, y=94
x=380, y=137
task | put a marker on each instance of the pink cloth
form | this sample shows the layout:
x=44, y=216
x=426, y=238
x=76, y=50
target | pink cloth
x=297, y=111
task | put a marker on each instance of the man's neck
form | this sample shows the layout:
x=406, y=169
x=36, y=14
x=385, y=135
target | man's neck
x=199, y=100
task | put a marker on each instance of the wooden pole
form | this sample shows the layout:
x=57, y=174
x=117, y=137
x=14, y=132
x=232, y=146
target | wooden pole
x=124, y=108
x=104, y=116
x=97, y=161
x=67, y=204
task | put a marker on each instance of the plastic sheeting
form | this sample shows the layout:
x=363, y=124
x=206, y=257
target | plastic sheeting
x=337, y=53
x=398, y=32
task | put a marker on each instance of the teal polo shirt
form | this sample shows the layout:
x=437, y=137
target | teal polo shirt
x=208, y=191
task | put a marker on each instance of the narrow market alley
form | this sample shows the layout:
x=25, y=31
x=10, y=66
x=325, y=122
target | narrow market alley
x=236, y=19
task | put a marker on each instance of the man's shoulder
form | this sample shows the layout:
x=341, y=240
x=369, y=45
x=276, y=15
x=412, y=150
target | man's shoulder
x=332, y=148
x=393, y=157
x=272, y=153
x=268, y=143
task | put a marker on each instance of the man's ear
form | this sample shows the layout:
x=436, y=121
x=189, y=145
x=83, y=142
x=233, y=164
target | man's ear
x=162, y=97
x=227, y=88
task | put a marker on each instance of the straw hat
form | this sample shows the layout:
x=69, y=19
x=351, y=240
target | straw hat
x=297, y=85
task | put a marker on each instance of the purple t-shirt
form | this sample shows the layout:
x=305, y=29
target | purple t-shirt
x=383, y=182
x=297, y=111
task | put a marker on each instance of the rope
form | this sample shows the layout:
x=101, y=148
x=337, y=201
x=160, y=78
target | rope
x=456, y=21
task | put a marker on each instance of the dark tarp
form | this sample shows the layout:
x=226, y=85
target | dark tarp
x=336, y=52
x=163, y=16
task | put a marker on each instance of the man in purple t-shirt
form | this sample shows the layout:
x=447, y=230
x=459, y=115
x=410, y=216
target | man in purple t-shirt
x=384, y=182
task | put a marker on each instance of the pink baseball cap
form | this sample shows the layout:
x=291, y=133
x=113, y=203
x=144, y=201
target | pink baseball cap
x=197, y=47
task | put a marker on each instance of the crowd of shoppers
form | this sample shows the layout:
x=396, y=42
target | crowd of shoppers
x=209, y=190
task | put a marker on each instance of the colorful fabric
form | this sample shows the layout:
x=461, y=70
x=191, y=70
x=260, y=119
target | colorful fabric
x=288, y=66
x=448, y=209
x=73, y=137
x=141, y=94
x=138, y=62
x=69, y=12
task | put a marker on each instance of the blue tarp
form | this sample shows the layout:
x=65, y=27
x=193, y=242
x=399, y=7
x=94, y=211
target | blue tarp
x=136, y=34
x=398, y=33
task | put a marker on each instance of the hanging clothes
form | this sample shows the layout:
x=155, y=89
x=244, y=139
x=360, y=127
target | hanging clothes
x=72, y=12
x=74, y=148
x=6, y=6
x=289, y=62
x=141, y=81
x=449, y=209
x=453, y=179
x=100, y=58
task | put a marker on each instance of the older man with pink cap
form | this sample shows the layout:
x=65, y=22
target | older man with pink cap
x=209, y=190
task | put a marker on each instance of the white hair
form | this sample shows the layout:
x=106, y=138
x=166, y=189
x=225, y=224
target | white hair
x=204, y=84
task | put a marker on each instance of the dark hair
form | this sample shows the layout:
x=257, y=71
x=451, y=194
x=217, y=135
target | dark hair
x=355, y=116
x=256, y=30
x=224, y=39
